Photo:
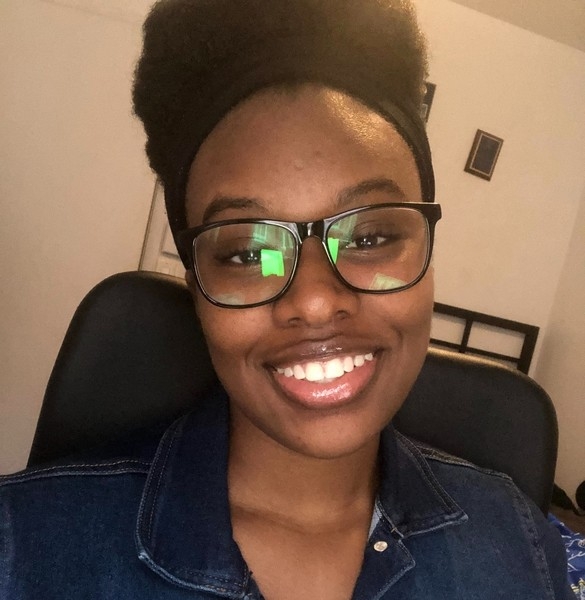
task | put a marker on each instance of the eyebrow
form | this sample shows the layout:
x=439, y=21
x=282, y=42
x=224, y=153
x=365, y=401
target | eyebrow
x=379, y=184
x=221, y=203
x=345, y=197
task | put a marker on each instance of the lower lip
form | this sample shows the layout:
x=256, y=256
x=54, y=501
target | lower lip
x=329, y=395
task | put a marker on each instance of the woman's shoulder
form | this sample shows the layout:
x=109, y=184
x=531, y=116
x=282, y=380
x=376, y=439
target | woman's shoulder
x=131, y=455
x=493, y=504
x=73, y=468
x=452, y=470
x=499, y=516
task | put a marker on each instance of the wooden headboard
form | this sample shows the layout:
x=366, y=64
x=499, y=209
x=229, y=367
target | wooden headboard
x=471, y=332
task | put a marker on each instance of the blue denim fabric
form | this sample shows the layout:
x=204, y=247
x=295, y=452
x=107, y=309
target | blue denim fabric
x=155, y=524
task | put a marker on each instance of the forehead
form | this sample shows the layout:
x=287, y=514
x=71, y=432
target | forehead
x=295, y=152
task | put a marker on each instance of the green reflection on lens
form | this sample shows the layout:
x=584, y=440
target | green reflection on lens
x=272, y=262
x=333, y=245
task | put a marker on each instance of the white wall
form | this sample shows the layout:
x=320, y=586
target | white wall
x=561, y=20
x=561, y=369
x=75, y=188
x=502, y=244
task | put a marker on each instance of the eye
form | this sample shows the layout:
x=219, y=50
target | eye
x=370, y=241
x=246, y=257
x=366, y=241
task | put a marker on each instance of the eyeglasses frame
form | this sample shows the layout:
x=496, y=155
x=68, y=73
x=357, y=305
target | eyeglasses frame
x=303, y=230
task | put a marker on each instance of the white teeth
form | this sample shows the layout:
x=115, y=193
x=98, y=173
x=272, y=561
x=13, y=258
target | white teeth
x=314, y=371
x=327, y=370
x=298, y=372
x=334, y=369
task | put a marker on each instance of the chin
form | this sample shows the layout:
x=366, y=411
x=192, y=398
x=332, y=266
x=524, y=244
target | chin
x=332, y=448
x=320, y=434
x=274, y=412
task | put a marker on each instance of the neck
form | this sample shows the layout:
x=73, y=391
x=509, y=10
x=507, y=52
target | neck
x=268, y=479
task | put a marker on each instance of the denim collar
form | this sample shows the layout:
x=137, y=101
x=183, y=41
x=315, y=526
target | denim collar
x=184, y=529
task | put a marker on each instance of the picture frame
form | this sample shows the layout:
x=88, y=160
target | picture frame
x=484, y=154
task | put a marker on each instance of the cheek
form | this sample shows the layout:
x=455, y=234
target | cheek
x=231, y=334
x=420, y=308
x=406, y=322
x=409, y=313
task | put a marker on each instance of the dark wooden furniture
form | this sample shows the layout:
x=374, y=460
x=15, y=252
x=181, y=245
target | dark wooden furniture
x=470, y=319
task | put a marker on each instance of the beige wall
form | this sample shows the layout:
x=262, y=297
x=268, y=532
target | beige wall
x=561, y=20
x=503, y=244
x=75, y=188
x=561, y=369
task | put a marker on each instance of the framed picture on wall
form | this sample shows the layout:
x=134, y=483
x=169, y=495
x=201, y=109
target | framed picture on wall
x=484, y=154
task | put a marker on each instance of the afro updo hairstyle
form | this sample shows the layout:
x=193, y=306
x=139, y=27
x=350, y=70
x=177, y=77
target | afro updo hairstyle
x=202, y=57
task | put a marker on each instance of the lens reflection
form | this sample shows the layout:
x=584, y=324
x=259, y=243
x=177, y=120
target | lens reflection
x=244, y=263
x=380, y=249
x=376, y=249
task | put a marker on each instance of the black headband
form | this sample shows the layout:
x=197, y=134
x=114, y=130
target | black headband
x=407, y=122
x=202, y=58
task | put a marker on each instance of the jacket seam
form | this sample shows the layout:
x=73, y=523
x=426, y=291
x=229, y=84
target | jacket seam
x=161, y=471
x=220, y=586
x=411, y=563
x=448, y=459
x=146, y=505
x=447, y=502
x=97, y=469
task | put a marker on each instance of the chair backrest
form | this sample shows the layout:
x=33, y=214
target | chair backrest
x=134, y=357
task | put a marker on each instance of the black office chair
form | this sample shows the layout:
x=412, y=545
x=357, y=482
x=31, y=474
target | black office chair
x=134, y=358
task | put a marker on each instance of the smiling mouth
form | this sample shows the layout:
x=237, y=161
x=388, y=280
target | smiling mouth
x=327, y=384
x=326, y=371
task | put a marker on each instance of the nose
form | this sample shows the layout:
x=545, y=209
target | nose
x=317, y=297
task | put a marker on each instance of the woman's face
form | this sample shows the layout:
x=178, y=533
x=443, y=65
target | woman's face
x=294, y=156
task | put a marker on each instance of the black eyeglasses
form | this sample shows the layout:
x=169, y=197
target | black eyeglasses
x=376, y=249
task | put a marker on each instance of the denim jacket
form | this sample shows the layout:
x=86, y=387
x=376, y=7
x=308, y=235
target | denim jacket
x=154, y=523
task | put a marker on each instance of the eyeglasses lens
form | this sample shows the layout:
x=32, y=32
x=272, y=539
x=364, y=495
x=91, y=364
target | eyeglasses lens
x=377, y=249
x=380, y=249
x=245, y=263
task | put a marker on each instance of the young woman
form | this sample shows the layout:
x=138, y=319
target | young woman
x=300, y=191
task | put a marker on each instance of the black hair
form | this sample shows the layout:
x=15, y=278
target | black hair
x=202, y=57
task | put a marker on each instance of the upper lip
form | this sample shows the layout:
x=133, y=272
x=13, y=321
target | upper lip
x=323, y=350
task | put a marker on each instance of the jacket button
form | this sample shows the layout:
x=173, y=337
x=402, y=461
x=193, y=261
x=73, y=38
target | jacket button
x=380, y=546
